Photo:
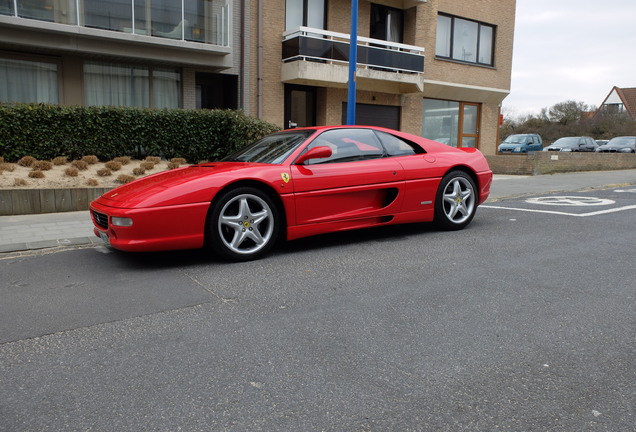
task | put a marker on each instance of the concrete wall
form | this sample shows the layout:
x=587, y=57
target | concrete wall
x=34, y=201
x=551, y=162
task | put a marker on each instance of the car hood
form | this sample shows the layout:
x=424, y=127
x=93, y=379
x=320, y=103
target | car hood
x=613, y=147
x=192, y=184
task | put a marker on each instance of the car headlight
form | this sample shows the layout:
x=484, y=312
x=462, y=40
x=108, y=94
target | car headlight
x=566, y=149
x=121, y=221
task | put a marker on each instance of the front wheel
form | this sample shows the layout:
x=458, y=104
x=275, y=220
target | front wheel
x=456, y=201
x=243, y=225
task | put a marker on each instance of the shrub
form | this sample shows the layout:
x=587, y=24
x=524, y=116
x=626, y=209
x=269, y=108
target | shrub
x=124, y=160
x=20, y=182
x=113, y=165
x=4, y=166
x=104, y=172
x=36, y=174
x=154, y=159
x=172, y=165
x=178, y=161
x=139, y=171
x=27, y=161
x=60, y=160
x=80, y=164
x=148, y=165
x=41, y=165
x=92, y=182
x=45, y=131
x=71, y=172
x=124, y=178
x=90, y=159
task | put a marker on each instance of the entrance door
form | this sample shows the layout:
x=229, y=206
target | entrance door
x=300, y=106
x=469, y=125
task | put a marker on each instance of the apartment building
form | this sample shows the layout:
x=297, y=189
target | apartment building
x=435, y=68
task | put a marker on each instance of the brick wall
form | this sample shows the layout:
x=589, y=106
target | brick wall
x=550, y=162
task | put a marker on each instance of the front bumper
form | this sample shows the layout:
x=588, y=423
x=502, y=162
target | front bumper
x=153, y=229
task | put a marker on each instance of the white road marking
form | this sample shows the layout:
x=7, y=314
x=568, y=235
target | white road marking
x=570, y=201
x=596, y=213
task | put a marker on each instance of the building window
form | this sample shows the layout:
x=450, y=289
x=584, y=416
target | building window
x=465, y=40
x=386, y=23
x=614, y=108
x=452, y=123
x=125, y=85
x=307, y=13
x=28, y=81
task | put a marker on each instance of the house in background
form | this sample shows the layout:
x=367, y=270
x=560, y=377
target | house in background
x=619, y=101
x=435, y=68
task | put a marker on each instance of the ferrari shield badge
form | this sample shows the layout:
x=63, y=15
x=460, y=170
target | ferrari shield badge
x=285, y=177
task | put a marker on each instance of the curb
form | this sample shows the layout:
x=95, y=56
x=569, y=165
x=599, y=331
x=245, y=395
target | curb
x=48, y=244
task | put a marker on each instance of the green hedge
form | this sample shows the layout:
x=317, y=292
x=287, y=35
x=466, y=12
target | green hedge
x=47, y=131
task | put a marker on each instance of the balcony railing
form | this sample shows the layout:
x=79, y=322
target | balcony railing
x=310, y=44
x=201, y=21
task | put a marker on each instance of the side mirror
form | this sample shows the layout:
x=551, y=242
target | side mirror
x=320, y=152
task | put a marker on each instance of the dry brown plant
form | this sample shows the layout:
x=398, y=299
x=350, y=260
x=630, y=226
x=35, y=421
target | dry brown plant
x=90, y=159
x=113, y=165
x=80, y=164
x=41, y=165
x=26, y=161
x=124, y=178
x=71, y=172
x=37, y=174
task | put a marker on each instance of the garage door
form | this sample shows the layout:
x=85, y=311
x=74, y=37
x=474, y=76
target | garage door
x=375, y=115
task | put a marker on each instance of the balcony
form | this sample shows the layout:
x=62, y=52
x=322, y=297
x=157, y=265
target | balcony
x=321, y=58
x=117, y=26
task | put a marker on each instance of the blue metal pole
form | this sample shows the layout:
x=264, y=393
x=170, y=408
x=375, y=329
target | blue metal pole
x=353, y=61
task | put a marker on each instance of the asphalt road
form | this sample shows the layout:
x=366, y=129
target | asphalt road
x=523, y=322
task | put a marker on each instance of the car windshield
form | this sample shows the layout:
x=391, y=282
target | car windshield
x=272, y=149
x=566, y=142
x=516, y=139
x=622, y=141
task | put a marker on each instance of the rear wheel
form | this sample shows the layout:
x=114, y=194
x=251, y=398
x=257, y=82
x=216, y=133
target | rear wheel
x=456, y=201
x=244, y=224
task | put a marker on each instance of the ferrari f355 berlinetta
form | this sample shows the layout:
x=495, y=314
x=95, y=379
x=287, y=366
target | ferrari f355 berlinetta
x=296, y=183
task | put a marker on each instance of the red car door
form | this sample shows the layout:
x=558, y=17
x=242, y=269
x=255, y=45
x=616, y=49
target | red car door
x=355, y=183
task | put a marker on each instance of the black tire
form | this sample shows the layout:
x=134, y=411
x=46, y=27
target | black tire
x=456, y=201
x=244, y=224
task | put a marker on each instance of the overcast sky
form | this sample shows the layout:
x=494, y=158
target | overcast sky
x=570, y=50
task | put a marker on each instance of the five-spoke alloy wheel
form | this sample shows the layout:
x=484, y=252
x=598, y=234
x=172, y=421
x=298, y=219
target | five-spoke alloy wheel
x=456, y=201
x=244, y=224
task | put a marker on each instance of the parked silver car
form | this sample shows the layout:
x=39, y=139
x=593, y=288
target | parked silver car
x=624, y=144
x=573, y=144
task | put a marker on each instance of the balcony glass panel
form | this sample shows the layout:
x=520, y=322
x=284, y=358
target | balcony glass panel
x=108, y=15
x=322, y=46
x=7, y=7
x=205, y=21
x=62, y=11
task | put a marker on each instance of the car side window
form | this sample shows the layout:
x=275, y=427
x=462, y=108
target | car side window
x=348, y=145
x=395, y=146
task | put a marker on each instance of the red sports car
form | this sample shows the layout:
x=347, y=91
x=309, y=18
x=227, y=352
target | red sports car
x=292, y=184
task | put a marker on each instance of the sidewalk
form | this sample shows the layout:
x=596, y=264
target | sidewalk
x=41, y=231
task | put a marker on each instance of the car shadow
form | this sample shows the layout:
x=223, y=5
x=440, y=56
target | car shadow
x=360, y=236
x=196, y=257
